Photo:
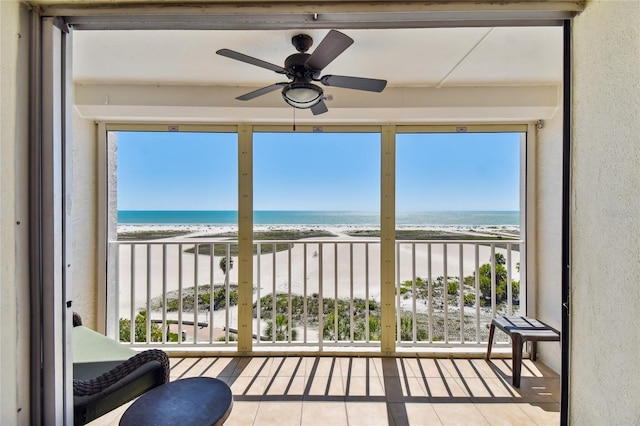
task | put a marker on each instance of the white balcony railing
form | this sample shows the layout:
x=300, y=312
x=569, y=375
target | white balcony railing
x=300, y=285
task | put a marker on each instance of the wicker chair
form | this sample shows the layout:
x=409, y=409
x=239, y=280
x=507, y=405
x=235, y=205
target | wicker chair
x=108, y=381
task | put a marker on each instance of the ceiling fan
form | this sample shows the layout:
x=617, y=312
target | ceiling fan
x=303, y=68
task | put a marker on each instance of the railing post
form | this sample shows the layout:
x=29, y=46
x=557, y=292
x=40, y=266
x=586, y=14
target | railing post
x=509, y=289
x=477, y=284
x=258, y=293
x=445, y=292
x=461, y=290
x=132, y=283
x=274, y=293
x=493, y=280
x=366, y=291
x=196, y=254
x=387, y=239
x=165, y=336
x=351, y=304
x=320, y=297
x=212, y=250
x=336, y=316
x=245, y=238
x=304, y=290
x=430, y=290
x=398, y=330
x=148, y=304
x=180, y=282
x=289, y=304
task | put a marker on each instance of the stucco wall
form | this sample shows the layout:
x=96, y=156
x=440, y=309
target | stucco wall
x=605, y=241
x=548, y=289
x=14, y=276
x=84, y=219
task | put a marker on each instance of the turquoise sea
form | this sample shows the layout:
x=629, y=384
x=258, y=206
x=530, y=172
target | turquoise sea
x=311, y=218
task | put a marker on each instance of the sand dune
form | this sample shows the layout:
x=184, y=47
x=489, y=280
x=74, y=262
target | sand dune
x=337, y=266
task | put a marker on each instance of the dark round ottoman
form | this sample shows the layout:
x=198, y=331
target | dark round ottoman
x=196, y=401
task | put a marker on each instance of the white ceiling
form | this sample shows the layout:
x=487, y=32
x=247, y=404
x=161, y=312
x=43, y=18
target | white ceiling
x=433, y=74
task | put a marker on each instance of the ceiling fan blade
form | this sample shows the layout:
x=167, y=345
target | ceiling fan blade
x=329, y=48
x=358, y=83
x=250, y=60
x=260, y=92
x=319, y=108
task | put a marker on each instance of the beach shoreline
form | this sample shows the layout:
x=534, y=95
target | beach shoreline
x=200, y=230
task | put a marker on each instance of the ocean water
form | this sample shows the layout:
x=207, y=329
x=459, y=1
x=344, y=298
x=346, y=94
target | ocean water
x=313, y=218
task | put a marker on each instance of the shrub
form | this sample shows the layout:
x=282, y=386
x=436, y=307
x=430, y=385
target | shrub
x=452, y=288
x=469, y=299
x=406, y=329
x=141, y=330
x=281, y=329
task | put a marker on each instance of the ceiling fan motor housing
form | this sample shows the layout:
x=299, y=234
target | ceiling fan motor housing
x=298, y=70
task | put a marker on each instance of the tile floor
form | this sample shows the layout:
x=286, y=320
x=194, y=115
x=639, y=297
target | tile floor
x=371, y=391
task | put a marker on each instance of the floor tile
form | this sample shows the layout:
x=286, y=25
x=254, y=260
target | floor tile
x=199, y=367
x=483, y=367
x=414, y=387
x=459, y=414
x=221, y=367
x=278, y=413
x=368, y=414
x=326, y=386
x=464, y=368
x=323, y=413
x=476, y=387
x=505, y=415
x=421, y=414
x=533, y=389
x=258, y=366
x=412, y=367
x=323, y=366
x=433, y=368
x=289, y=366
x=182, y=367
x=286, y=386
x=499, y=388
x=544, y=414
x=446, y=387
x=372, y=391
x=243, y=413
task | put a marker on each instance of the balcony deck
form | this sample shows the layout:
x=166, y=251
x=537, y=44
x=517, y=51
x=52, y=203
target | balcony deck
x=368, y=391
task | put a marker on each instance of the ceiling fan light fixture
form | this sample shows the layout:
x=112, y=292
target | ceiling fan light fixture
x=302, y=95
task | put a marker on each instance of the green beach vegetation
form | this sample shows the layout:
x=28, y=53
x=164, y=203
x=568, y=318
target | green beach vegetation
x=273, y=235
x=342, y=319
x=204, y=299
x=140, y=332
x=312, y=305
x=145, y=235
x=453, y=286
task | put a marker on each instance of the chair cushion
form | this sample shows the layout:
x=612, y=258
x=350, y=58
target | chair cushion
x=95, y=354
x=91, y=346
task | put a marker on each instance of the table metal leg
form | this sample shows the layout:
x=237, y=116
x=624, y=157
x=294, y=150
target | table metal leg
x=492, y=329
x=516, y=351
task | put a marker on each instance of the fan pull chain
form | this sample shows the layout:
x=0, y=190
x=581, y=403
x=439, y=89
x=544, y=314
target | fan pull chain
x=294, y=119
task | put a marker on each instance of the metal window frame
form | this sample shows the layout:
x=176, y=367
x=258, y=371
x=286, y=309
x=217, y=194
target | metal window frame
x=347, y=15
x=50, y=223
x=388, y=166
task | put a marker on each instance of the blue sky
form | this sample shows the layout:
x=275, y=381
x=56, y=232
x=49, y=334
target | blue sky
x=318, y=171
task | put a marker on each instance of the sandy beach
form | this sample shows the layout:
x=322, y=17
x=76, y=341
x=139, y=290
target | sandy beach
x=337, y=267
